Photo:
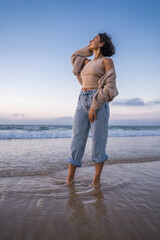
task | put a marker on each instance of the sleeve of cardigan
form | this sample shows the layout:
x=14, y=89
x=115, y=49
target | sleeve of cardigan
x=78, y=58
x=107, y=92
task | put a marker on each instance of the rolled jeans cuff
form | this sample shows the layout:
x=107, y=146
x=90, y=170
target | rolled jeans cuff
x=70, y=160
x=100, y=160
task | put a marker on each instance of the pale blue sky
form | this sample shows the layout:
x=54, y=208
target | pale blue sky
x=37, y=39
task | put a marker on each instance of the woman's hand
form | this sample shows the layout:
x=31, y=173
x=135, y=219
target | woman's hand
x=92, y=115
x=89, y=48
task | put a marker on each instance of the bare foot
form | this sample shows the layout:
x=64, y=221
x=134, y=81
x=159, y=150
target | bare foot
x=95, y=184
x=69, y=181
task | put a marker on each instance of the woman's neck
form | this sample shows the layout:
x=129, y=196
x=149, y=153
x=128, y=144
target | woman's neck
x=97, y=54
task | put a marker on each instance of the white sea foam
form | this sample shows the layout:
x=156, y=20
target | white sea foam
x=65, y=131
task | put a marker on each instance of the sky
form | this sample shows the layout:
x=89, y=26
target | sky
x=37, y=39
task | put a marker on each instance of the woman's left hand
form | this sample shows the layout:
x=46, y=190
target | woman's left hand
x=92, y=115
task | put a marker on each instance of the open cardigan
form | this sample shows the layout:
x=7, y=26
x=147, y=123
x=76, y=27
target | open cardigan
x=107, y=89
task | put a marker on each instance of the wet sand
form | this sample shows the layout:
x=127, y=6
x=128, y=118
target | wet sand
x=35, y=202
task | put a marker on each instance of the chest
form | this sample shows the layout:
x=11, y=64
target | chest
x=94, y=67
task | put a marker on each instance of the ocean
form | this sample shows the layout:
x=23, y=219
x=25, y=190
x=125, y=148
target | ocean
x=65, y=131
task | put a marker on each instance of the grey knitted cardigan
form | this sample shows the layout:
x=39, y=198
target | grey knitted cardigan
x=107, y=89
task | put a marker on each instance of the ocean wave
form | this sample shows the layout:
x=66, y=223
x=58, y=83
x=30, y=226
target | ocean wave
x=65, y=131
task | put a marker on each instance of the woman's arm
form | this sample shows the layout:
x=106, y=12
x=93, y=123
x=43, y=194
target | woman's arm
x=78, y=58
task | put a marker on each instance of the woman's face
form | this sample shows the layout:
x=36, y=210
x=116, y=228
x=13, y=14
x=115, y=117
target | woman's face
x=94, y=43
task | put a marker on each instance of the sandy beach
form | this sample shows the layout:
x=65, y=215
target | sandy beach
x=35, y=202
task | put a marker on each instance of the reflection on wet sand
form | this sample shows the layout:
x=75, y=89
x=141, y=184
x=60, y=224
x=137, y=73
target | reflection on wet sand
x=89, y=213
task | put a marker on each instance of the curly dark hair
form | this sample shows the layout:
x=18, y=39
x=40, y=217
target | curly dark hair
x=108, y=49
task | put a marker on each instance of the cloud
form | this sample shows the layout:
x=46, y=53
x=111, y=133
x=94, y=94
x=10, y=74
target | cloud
x=18, y=115
x=135, y=102
x=130, y=102
x=154, y=102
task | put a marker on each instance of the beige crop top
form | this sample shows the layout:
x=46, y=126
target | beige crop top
x=92, y=72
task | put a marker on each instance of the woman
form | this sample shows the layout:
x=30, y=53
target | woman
x=98, y=80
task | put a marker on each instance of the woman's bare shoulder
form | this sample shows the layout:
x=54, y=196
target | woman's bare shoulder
x=107, y=63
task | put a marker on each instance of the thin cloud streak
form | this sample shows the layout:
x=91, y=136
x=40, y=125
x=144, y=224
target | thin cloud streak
x=18, y=115
x=135, y=102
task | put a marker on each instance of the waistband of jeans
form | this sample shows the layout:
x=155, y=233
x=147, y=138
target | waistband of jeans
x=88, y=91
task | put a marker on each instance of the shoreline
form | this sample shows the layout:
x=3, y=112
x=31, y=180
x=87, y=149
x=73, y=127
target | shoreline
x=119, y=149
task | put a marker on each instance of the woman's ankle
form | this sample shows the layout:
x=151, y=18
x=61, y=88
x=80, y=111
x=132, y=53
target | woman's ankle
x=70, y=178
x=95, y=183
x=96, y=180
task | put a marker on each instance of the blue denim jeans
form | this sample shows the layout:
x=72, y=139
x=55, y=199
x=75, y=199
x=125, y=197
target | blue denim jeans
x=81, y=127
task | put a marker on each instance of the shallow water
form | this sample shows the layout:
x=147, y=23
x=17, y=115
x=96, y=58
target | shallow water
x=29, y=157
x=35, y=202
